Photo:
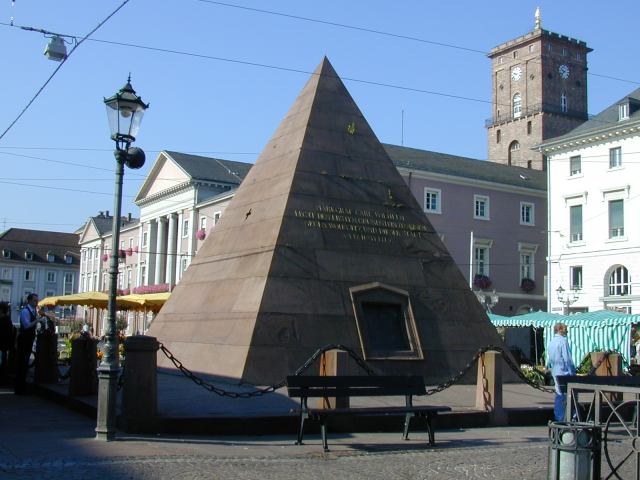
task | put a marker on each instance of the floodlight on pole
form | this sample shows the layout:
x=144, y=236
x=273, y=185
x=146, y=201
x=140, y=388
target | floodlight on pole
x=567, y=298
x=124, y=112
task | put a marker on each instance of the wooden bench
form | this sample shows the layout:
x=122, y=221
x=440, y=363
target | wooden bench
x=305, y=387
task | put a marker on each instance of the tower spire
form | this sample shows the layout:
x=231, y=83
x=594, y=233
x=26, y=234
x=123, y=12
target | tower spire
x=538, y=24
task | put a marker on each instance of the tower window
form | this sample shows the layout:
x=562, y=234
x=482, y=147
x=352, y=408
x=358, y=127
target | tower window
x=529, y=128
x=498, y=135
x=500, y=59
x=578, y=56
x=515, y=54
x=563, y=103
x=531, y=48
x=564, y=52
x=514, y=146
x=517, y=105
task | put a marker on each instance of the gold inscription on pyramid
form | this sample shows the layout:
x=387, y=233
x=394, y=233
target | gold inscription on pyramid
x=365, y=225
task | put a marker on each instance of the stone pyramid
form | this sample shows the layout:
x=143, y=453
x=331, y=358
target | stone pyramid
x=323, y=243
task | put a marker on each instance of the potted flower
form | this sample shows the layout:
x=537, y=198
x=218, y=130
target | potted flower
x=481, y=281
x=527, y=285
x=105, y=257
x=129, y=251
x=201, y=234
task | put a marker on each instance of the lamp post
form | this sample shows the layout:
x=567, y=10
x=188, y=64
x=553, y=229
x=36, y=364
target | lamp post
x=487, y=299
x=566, y=298
x=124, y=111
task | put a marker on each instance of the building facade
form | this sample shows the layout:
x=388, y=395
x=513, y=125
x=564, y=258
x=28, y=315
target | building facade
x=184, y=196
x=594, y=241
x=36, y=261
x=539, y=91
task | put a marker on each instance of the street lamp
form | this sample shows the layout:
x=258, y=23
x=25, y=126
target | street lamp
x=487, y=299
x=566, y=298
x=124, y=111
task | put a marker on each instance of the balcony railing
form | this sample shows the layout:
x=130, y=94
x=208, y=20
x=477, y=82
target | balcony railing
x=533, y=109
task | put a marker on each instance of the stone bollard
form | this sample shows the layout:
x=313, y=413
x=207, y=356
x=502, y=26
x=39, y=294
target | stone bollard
x=140, y=388
x=334, y=363
x=489, y=387
x=83, y=379
x=46, y=364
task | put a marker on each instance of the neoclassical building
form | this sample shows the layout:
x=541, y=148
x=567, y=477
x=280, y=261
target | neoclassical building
x=594, y=236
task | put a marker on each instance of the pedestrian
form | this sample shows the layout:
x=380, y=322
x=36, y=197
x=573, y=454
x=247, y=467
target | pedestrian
x=7, y=340
x=26, y=336
x=561, y=363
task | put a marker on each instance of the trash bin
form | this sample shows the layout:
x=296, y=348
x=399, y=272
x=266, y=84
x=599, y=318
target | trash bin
x=574, y=451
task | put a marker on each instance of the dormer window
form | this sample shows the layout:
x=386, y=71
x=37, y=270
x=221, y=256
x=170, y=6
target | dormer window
x=68, y=258
x=51, y=257
x=28, y=255
x=6, y=253
x=623, y=111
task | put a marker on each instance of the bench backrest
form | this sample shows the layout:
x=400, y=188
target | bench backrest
x=355, y=386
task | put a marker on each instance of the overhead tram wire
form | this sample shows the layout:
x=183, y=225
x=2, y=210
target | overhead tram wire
x=78, y=43
x=378, y=32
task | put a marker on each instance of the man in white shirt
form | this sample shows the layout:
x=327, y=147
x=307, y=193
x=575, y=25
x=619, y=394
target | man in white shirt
x=26, y=336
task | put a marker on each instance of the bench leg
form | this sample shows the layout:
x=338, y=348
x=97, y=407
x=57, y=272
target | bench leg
x=301, y=430
x=407, y=421
x=323, y=432
x=432, y=438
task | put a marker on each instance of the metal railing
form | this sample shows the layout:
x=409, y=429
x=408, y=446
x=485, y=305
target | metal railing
x=533, y=109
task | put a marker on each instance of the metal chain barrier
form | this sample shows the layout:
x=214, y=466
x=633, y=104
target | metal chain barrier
x=361, y=363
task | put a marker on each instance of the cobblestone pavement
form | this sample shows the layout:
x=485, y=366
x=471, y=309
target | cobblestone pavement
x=523, y=462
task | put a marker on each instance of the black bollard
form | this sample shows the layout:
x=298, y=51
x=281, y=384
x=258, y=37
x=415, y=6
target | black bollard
x=46, y=364
x=84, y=378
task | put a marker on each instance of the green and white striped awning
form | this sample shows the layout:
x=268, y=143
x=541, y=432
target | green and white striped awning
x=587, y=332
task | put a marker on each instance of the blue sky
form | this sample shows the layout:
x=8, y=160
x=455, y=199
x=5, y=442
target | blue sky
x=224, y=108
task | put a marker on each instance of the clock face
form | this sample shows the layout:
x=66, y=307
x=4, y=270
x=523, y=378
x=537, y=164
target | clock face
x=563, y=70
x=516, y=73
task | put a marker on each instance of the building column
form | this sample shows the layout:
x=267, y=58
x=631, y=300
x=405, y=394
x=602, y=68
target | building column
x=180, y=250
x=171, y=249
x=150, y=255
x=161, y=246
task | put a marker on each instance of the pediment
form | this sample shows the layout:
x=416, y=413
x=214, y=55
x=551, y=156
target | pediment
x=163, y=177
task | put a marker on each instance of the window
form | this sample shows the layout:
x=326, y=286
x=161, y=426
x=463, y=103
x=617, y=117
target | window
x=131, y=242
x=529, y=128
x=6, y=274
x=575, y=165
x=68, y=259
x=51, y=276
x=563, y=103
x=526, y=264
x=432, y=200
x=515, y=146
x=203, y=223
x=68, y=283
x=6, y=253
x=616, y=218
x=515, y=54
x=527, y=213
x=51, y=257
x=121, y=244
x=498, y=135
x=185, y=228
x=185, y=263
x=575, y=223
x=500, y=59
x=28, y=255
x=623, y=111
x=578, y=56
x=481, y=207
x=576, y=278
x=128, y=278
x=615, y=157
x=620, y=282
x=144, y=239
x=531, y=48
x=481, y=260
x=564, y=52
x=527, y=260
x=216, y=218
x=517, y=105
x=143, y=275
x=29, y=275
x=49, y=293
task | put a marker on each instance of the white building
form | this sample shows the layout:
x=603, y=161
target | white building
x=594, y=232
x=36, y=261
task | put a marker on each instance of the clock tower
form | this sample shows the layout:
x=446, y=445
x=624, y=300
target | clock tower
x=539, y=85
